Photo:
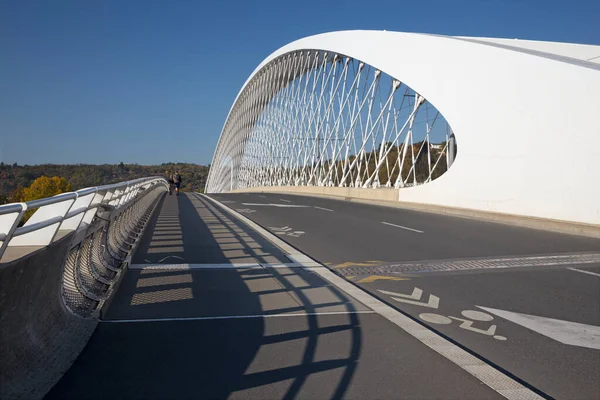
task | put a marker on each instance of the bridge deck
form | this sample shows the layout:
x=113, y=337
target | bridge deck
x=544, y=286
x=195, y=331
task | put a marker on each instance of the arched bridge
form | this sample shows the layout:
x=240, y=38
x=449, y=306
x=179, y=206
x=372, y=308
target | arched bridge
x=389, y=215
x=366, y=109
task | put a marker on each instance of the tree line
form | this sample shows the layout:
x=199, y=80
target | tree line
x=15, y=179
x=389, y=170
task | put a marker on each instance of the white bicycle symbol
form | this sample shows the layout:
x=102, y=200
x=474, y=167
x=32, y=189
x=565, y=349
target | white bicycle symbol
x=466, y=323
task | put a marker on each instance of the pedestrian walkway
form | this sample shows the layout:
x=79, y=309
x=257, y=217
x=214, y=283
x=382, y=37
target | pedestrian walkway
x=189, y=230
x=210, y=309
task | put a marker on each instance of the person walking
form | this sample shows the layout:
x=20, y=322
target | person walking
x=170, y=180
x=177, y=181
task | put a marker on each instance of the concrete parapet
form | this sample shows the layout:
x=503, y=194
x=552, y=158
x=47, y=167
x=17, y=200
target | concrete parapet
x=40, y=338
x=51, y=296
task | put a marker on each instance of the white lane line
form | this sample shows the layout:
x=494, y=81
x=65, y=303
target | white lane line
x=486, y=373
x=584, y=271
x=288, y=201
x=186, y=266
x=323, y=208
x=274, y=205
x=123, y=321
x=402, y=227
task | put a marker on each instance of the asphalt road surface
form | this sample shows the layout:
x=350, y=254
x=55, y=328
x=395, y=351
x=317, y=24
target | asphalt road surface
x=209, y=309
x=526, y=300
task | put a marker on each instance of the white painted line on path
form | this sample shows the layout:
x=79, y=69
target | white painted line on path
x=323, y=208
x=571, y=333
x=123, y=321
x=283, y=265
x=584, y=271
x=186, y=266
x=486, y=373
x=287, y=201
x=403, y=227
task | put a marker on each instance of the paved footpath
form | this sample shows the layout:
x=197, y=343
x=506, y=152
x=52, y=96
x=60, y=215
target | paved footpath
x=212, y=309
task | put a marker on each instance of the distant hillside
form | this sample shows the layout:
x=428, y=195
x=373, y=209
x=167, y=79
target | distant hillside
x=85, y=175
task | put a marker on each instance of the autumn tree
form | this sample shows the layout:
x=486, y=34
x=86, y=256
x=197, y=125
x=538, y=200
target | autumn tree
x=82, y=175
x=44, y=187
x=16, y=195
x=41, y=188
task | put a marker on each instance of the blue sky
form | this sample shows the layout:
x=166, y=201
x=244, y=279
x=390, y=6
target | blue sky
x=145, y=81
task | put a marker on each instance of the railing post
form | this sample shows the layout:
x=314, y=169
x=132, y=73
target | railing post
x=43, y=236
x=72, y=223
x=5, y=221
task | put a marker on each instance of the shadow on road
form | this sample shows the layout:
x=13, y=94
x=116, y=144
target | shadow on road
x=188, y=229
x=217, y=333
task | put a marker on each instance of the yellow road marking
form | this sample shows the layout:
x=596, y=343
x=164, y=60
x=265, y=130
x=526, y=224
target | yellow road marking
x=356, y=264
x=374, y=278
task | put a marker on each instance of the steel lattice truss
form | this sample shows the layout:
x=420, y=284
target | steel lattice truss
x=311, y=118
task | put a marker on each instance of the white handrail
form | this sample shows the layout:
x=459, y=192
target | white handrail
x=66, y=211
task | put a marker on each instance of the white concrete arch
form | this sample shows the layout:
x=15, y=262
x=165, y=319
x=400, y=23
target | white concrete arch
x=525, y=119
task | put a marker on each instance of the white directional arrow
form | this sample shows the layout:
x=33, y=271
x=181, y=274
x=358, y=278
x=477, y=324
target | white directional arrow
x=413, y=298
x=571, y=333
x=415, y=295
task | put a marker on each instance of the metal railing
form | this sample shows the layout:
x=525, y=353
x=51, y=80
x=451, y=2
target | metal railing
x=106, y=224
x=67, y=212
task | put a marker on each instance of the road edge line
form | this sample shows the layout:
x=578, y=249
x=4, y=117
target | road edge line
x=229, y=317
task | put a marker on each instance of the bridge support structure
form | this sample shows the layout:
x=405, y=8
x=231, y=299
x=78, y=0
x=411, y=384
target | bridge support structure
x=492, y=125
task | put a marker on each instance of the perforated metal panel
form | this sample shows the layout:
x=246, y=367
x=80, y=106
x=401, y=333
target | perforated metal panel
x=93, y=266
